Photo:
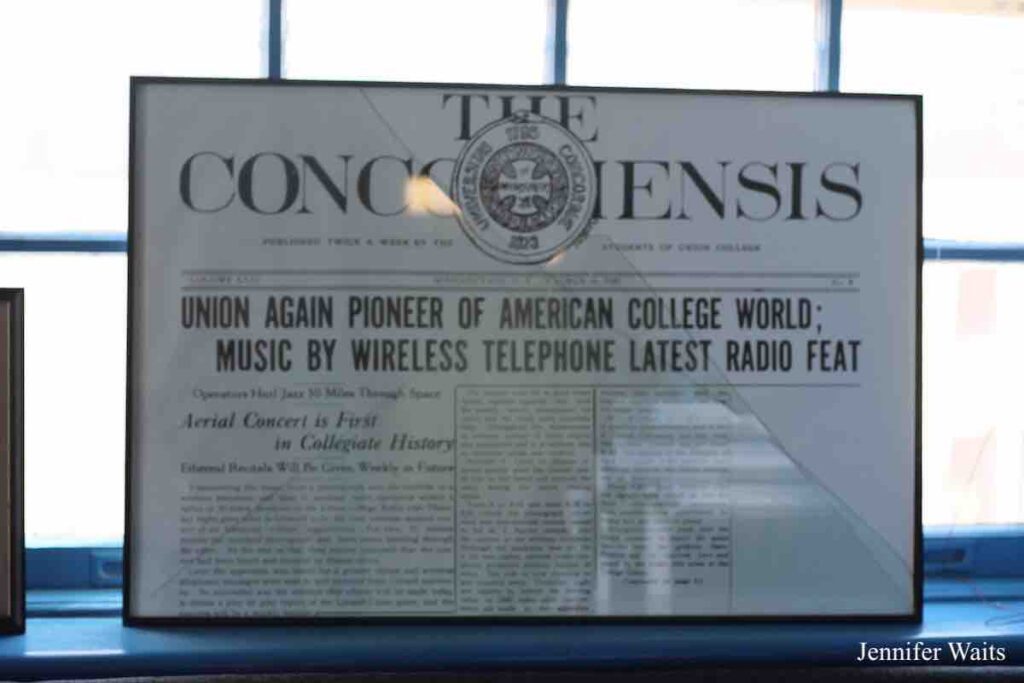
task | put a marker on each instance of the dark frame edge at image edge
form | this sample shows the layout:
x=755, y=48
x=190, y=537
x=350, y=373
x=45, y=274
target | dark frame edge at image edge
x=132, y=620
x=15, y=298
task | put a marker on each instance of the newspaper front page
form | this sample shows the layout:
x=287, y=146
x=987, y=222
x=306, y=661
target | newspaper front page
x=430, y=351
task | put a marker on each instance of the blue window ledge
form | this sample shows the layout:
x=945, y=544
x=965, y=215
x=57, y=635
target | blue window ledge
x=64, y=242
x=979, y=610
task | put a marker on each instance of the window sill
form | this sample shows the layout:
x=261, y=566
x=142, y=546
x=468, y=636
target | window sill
x=81, y=646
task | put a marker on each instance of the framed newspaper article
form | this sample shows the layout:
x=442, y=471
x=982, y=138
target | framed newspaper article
x=12, y=590
x=462, y=352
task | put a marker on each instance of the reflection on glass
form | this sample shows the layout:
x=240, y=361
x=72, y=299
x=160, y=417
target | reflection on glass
x=549, y=433
x=679, y=492
x=729, y=521
x=964, y=56
x=64, y=119
x=446, y=41
x=576, y=491
x=718, y=44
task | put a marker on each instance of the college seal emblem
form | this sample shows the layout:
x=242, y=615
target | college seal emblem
x=525, y=187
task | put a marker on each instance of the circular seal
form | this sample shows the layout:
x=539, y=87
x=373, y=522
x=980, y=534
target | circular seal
x=525, y=187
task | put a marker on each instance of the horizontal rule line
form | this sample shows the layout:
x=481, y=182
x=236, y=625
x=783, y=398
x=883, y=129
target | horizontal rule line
x=513, y=522
x=622, y=273
x=783, y=385
x=659, y=387
x=470, y=288
x=411, y=614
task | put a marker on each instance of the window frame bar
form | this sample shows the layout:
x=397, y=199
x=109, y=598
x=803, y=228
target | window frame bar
x=101, y=242
x=63, y=242
x=558, y=27
x=830, y=19
x=275, y=40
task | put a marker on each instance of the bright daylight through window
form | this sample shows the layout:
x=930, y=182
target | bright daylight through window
x=67, y=137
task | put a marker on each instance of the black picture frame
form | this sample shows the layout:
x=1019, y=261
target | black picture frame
x=133, y=355
x=12, y=620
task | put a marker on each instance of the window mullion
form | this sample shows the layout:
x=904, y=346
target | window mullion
x=275, y=40
x=558, y=22
x=830, y=14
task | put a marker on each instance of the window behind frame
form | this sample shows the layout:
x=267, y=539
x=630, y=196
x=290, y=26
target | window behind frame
x=65, y=65
x=965, y=58
x=64, y=68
